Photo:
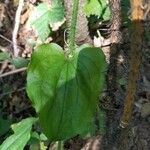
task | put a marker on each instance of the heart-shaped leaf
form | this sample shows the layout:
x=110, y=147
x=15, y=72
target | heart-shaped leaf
x=64, y=91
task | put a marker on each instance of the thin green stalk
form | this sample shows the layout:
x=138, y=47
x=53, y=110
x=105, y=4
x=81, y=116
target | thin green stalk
x=72, y=31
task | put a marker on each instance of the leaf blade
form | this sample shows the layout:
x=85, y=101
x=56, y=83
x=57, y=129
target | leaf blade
x=21, y=135
x=75, y=84
x=47, y=16
x=99, y=8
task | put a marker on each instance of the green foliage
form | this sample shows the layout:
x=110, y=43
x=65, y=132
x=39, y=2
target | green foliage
x=99, y=8
x=64, y=90
x=21, y=135
x=4, y=125
x=20, y=62
x=43, y=137
x=48, y=15
x=4, y=56
x=125, y=12
x=36, y=138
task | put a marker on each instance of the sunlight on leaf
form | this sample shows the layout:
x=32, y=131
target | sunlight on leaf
x=47, y=16
x=64, y=91
x=99, y=8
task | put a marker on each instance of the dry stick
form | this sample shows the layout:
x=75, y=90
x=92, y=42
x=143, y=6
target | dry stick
x=8, y=40
x=3, y=37
x=13, y=72
x=4, y=49
x=16, y=28
x=136, y=47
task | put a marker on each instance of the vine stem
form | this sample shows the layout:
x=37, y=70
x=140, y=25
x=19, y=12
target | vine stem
x=72, y=32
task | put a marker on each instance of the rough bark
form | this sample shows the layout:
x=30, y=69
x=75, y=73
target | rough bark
x=136, y=50
x=115, y=40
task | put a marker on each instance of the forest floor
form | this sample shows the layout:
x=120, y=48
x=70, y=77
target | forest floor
x=15, y=105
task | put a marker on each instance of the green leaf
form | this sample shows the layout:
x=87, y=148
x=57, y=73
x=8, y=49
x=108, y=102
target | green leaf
x=20, y=62
x=125, y=12
x=4, y=56
x=99, y=8
x=4, y=125
x=64, y=91
x=34, y=138
x=48, y=15
x=21, y=135
x=43, y=137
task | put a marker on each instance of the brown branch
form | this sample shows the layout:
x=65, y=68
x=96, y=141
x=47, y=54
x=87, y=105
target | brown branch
x=6, y=39
x=136, y=48
x=13, y=72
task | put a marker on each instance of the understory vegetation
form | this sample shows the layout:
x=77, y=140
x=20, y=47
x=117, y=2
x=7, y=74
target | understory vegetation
x=74, y=75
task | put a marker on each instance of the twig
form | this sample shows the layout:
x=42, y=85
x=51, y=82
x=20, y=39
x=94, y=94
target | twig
x=3, y=37
x=16, y=27
x=3, y=66
x=8, y=40
x=12, y=72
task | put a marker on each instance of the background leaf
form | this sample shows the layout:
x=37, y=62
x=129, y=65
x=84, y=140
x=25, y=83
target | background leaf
x=4, y=125
x=20, y=62
x=64, y=91
x=46, y=16
x=99, y=8
x=125, y=12
x=4, y=56
x=21, y=135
